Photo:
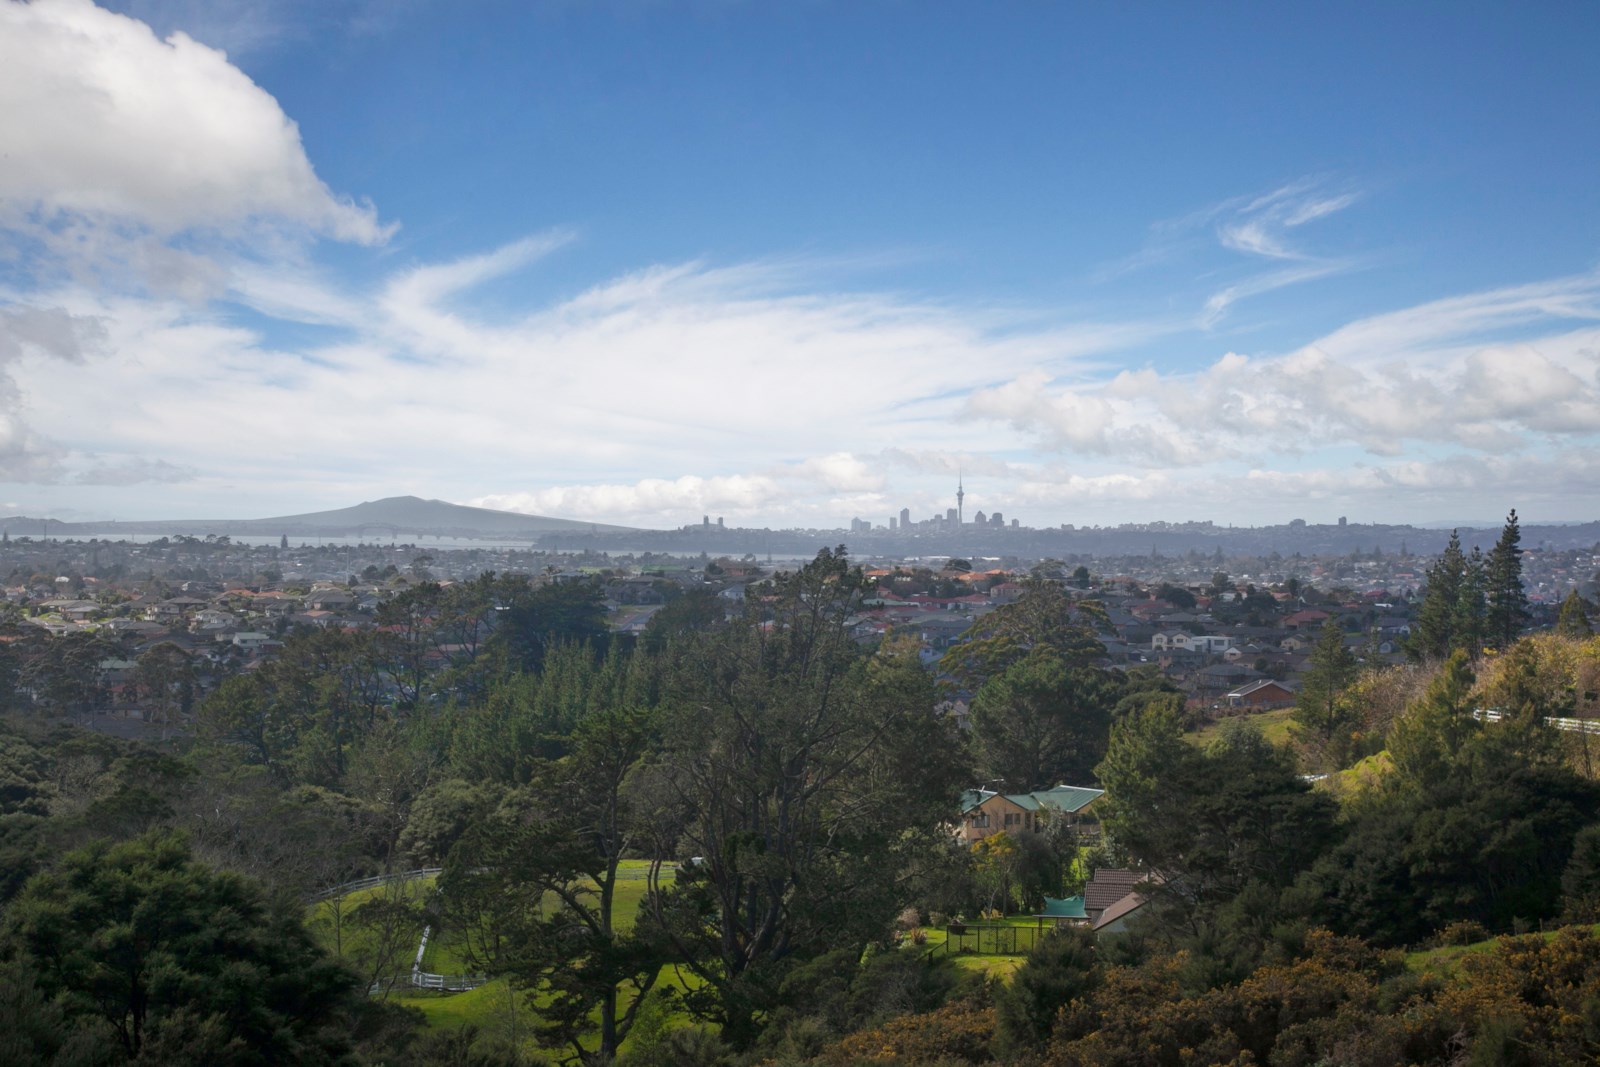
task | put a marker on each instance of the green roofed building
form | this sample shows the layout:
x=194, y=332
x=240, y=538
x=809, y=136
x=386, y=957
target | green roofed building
x=1064, y=911
x=984, y=812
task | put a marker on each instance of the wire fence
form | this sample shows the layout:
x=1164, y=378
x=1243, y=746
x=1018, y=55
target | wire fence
x=989, y=939
x=374, y=881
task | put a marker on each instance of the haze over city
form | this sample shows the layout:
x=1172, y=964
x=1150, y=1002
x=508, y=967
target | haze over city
x=636, y=263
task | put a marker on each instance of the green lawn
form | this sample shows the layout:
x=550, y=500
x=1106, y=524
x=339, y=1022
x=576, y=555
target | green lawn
x=1275, y=726
x=1443, y=961
x=978, y=952
x=333, y=925
x=488, y=1007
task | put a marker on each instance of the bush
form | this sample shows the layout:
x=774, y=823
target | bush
x=957, y=1033
x=1461, y=932
x=1062, y=967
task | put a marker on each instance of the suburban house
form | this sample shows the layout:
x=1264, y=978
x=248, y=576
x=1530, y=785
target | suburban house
x=1110, y=897
x=984, y=812
x=1262, y=693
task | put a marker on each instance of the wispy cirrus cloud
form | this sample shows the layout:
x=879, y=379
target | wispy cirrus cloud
x=1260, y=227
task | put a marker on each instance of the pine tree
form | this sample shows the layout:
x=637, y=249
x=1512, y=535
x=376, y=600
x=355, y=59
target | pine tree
x=1574, y=620
x=1436, y=618
x=1508, y=603
x=1469, y=626
x=1322, y=713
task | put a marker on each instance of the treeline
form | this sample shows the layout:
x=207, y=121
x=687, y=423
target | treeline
x=790, y=794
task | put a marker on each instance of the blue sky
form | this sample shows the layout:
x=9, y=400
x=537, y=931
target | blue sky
x=790, y=264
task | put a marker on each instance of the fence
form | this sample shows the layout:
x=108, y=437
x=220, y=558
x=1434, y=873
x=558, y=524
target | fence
x=1582, y=726
x=989, y=939
x=376, y=880
x=447, y=983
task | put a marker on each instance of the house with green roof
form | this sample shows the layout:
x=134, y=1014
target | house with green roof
x=985, y=812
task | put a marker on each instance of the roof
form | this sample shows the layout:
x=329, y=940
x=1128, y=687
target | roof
x=1129, y=903
x=1262, y=684
x=1065, y=798
x=1109, y=885
x=1067, y=908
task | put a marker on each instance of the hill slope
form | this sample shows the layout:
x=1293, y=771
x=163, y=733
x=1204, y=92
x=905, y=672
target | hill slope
x=396, y=514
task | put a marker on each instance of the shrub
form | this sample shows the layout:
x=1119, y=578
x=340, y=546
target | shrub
x=1462, y=932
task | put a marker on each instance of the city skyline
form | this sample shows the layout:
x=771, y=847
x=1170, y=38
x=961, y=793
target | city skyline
x=636, y=264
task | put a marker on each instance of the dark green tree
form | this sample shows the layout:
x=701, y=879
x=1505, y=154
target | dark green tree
x=800, y=776
x=686, y=612
x=1210, y=822
x=535, y=884
x=1041, y=723
x=1574, y=618
x=556, y=614
x=165, y=681
x=1470, y=626
x=1321, y=710
x=1042, y=617
x=1061, y=968
x=1436, y=618
x=167, y=961
x=1507, y=600
x=1427, y=741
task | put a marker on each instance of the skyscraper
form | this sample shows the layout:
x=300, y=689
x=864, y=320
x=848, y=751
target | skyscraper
x=961, y=495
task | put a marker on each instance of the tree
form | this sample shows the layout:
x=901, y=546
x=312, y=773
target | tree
x=1436, y=617
x=1427, y=739
x=1321, y=710
x=1508, y=601
x=165, y=680
x=687, y=611
x=167, y=961
x=1211, y=822
x=799, y=776
x=553, y=615
x=1574, y=619
x=1469, y=625
x=1040, y=722
x=535, y=884
x=1062, y=967
x=1042, y=616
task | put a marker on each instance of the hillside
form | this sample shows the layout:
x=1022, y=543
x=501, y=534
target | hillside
x=398, y=515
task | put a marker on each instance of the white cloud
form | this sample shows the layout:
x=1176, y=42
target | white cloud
x=1333, y=392
x=650, y=501
x=103, y=121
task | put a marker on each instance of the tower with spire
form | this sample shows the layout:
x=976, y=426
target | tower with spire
x=961, y=495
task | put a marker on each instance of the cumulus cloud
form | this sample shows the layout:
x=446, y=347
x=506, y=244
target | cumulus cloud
x=1489, y=396
x=102, y=120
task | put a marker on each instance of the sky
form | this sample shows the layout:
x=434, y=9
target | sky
x=791, y=264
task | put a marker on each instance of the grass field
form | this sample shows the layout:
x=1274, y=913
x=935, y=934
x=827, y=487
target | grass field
x=1443, y=961
x=1275, y=726
x=494, y=1011
x=490, y=1007
x=974, y=955
x=447, y=954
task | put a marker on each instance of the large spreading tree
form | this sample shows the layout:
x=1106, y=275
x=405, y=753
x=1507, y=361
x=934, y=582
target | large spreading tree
x=800, y=776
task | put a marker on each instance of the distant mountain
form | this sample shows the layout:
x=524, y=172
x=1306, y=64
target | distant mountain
x=415, y=515
x=396, y=515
